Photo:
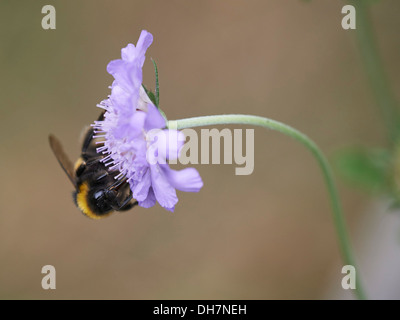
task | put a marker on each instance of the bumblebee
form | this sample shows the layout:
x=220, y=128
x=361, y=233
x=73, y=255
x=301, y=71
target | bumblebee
x=97, y=193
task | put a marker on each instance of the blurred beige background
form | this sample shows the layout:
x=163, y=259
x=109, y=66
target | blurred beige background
x=264, y=236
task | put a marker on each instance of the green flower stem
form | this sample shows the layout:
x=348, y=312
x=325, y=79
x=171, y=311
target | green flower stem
x=375, y=71
x=338, y=218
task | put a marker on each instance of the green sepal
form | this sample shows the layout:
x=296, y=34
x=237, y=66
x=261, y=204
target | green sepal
x=151, y=95
x=157, y=91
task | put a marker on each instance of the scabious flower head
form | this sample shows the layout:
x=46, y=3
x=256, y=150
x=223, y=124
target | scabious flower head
x=136, y=140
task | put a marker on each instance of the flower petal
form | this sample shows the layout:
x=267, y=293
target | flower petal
x=170, y=209
x=168, y=143
x=154, y=118
x=187, y=180
x=164, y=192
x=117, y=68
x=145, y=40
x=119, y=97
x=128, y=75
x=131, y=53
x=140, y=189
x=149, y=201
x=137, y=121
x=125, y=130
x=128, y=53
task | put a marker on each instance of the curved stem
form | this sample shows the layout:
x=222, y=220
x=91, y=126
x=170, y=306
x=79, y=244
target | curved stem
x=338, y=218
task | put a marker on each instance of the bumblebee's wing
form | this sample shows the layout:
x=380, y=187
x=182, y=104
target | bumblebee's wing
x=62, y=158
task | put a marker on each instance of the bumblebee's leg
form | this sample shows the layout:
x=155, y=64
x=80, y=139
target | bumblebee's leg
x=101, y=117
x=87, y=140
x=117, y=184
x=117, y=205
x=128, y=205
x=129, y=202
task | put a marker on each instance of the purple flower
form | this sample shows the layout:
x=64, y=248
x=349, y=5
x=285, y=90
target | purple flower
x=135, y=139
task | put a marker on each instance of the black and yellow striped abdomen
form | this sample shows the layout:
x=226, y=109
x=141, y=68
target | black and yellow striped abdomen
x=83, y=201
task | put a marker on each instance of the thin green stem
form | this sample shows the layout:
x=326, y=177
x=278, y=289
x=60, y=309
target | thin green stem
x=338, y=217
x=375, y=71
